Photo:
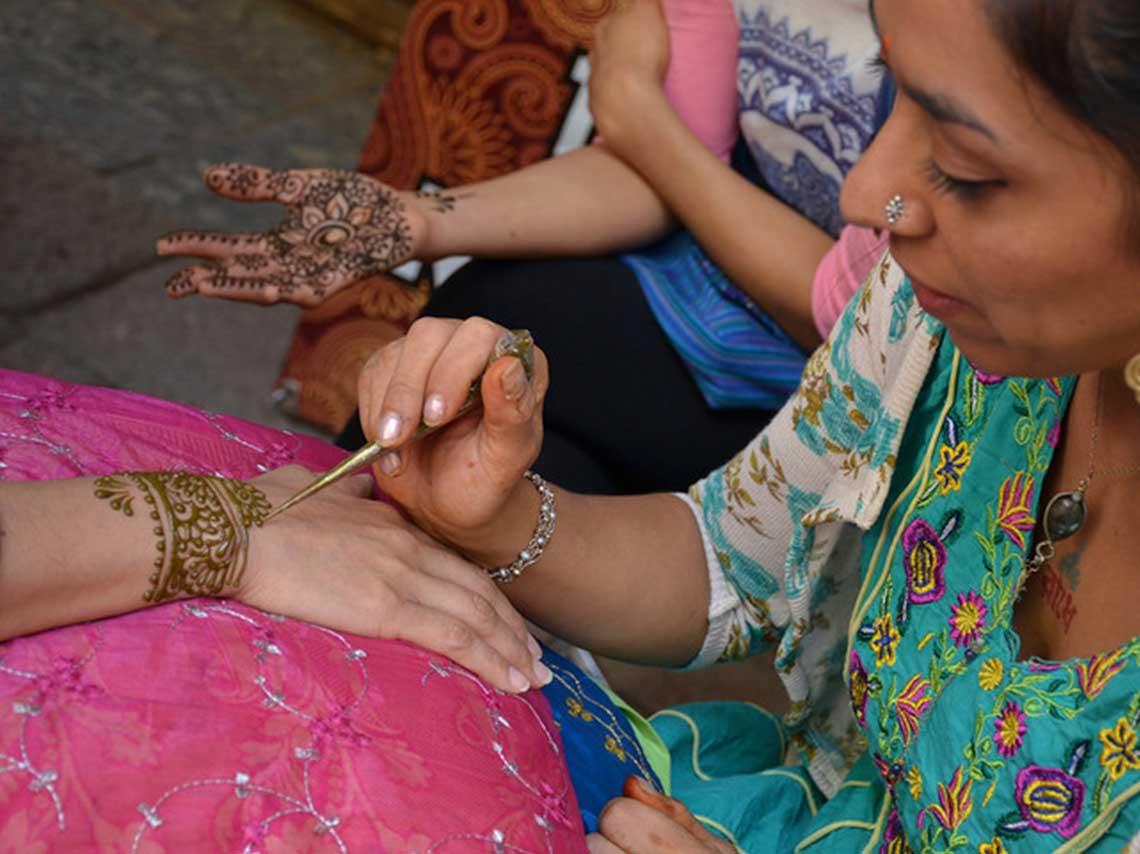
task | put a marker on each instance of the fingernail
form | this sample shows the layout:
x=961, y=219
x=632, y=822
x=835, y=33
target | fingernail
x=542, y=674
x=390, y=464
x=514, y=381
x=390, y=426
x=519, y=683
x=534, y=647
x=645, y=786
x=433, y=409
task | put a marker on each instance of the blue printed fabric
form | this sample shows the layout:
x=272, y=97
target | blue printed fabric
x=599, y=742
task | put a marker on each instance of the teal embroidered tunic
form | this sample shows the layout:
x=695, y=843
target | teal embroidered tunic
x=960, y=746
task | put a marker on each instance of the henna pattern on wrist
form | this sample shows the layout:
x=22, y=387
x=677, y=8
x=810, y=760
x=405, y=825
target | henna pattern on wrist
x=201, y=524
x=442, y=202
x=339, y=228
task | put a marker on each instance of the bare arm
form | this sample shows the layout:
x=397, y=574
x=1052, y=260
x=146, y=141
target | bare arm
x=768, y=249
x=89, y=548
x=625, y=576
x=340, y=228
x=62, y=560
x=584, y=202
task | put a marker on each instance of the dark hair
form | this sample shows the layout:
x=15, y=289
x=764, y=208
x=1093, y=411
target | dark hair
x=1086, y=53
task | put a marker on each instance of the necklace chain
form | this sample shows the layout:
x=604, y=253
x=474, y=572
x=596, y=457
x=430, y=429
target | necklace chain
x=1067, y=510
x=1094, y=436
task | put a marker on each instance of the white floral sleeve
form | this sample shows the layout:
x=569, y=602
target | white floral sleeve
x=781, y=521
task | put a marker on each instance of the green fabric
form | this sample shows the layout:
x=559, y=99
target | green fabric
x=970, y=749
x=652, y=745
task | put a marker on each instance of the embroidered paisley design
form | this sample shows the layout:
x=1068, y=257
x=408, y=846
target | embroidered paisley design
x=925, y=558
x=1050, y=800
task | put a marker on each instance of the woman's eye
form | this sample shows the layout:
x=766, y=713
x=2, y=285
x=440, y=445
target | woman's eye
x=942, y=182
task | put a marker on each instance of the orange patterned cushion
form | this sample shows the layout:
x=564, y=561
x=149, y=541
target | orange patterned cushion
x=480, y=88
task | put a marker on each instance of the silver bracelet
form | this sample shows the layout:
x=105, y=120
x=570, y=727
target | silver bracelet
x=543, y=531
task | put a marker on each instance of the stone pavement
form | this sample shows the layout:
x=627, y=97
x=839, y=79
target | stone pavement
x=109, y=110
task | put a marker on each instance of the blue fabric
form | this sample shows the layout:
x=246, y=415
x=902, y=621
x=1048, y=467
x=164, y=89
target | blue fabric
x=809, y=104
x=738, y=356
x=599, y=742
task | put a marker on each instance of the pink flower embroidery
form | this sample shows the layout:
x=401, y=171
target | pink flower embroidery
x=65, y=678
x=554, y=806
x=911, y=705
x=1010, y=730
x=1053, y=437
x=954, y=802
x=967, y=618
x=279, y=454
x=1015, y=500
x=1094, y=676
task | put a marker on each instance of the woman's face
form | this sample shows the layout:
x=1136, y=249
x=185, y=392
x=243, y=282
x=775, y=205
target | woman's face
x=1017, y=228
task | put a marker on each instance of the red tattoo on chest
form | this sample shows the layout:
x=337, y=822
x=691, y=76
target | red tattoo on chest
x=1059, y=598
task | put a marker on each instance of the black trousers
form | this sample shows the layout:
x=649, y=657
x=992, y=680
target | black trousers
x=623, y=415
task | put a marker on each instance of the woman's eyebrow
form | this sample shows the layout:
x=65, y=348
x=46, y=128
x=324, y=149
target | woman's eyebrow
x=944, y=108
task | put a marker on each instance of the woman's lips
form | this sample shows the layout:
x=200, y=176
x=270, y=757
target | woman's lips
x=938, y=304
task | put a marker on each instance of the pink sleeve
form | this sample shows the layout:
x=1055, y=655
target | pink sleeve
x=701, y=82
x=704, y=43
x=842, y=271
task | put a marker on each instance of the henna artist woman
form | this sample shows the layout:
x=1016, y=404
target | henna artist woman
x=937, y=533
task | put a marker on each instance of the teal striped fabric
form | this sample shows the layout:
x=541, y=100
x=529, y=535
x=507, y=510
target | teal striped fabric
x=735, y=352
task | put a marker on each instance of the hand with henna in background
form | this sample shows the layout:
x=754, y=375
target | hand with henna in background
x=633, y=188
x=339, y=228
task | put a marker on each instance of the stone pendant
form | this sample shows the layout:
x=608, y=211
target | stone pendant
x=1064, y=515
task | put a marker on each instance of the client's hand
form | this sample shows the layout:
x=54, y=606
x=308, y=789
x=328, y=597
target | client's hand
x=644, y=822
x=456, y=482
x=353, y=564
x=339, y=228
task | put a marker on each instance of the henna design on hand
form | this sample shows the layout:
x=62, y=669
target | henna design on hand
x=202, y=525
x=339, y=228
